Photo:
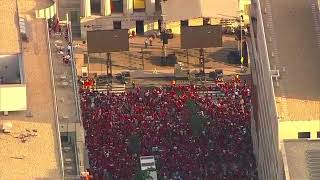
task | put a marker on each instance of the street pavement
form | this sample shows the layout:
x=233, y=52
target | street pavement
x=216, y=58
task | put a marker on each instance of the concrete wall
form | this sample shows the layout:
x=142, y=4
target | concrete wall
x=291, y=129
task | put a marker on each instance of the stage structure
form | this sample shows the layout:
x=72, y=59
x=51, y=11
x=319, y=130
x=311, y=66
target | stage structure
x=200, y=9
x=107, y=41
x=200, y=37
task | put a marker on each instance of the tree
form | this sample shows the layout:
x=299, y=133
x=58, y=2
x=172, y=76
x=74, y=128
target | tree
x=143, y=175
x=197, y=122
x=134, y=144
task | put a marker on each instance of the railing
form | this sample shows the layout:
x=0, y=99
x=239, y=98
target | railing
x=75, y=88
x=55, y=102
x=74, y=74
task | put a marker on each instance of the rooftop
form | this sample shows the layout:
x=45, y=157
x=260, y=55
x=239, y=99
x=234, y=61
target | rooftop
x=9, y=34
x=37, y=157
x=300, y=155
x=294, y=51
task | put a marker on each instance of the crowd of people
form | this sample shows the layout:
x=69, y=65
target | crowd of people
x=55, y=28
x=163, y=120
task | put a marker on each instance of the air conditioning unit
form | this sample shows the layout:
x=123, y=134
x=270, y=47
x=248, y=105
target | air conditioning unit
x=7, y=126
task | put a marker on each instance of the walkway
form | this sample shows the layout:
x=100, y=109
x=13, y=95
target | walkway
x=66, y=102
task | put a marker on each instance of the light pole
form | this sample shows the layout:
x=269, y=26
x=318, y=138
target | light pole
x=163, y=30
x=241, y=45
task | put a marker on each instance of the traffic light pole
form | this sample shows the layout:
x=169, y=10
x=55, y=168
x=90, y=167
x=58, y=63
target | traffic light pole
x=109, y=64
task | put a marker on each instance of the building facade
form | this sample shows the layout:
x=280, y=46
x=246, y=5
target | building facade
x=286, y=90
x=141, y=16
x=265, y=122
x=138, y=15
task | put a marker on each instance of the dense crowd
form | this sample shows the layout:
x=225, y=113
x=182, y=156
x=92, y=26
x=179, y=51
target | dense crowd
x=217, y=148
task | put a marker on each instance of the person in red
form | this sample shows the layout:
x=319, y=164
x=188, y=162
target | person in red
x=87, y=84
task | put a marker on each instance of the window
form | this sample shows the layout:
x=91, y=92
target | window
x=206, y=21
x=184, y=23
x=64, y=139
x=116, y=6
x=303, y=134
x=139, y=5
x=95, y=7
x=116, y=24
x=318, y=134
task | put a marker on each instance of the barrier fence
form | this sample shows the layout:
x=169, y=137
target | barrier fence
x=78, y=144
x=55, y=102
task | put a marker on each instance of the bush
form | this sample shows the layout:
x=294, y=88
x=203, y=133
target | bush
x=142, y=175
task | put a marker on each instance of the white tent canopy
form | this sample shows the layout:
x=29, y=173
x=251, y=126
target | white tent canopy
x=176, y=10
x=147, y=163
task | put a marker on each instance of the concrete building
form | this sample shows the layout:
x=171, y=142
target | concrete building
x=141, y=16
x=284, y=49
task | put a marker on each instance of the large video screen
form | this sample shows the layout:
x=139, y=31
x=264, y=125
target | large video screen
x=201, y=36
x=103, y=41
